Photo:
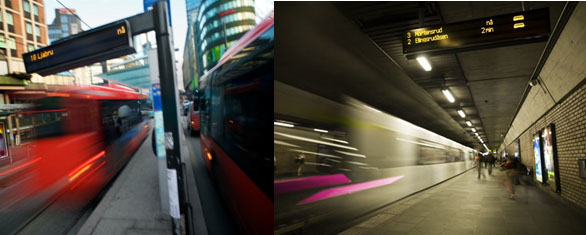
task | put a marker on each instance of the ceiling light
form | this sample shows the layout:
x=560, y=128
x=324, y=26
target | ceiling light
x=320, y=130
x=461, y=112
x=424, y=63
x=473, y=130
x=448, y=95
x=283, y=124
x=477, y=134
x=468, y=123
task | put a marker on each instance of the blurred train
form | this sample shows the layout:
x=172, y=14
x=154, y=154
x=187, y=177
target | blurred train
x=235, y=99
x=329, y=153
x=68, y=141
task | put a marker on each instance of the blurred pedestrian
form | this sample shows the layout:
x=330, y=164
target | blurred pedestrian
x=510, y=174
x=478, y=162
x=300, y=160
x=490, y=163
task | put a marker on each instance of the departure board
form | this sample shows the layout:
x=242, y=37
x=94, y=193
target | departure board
x=516, y=28
x=82, y=49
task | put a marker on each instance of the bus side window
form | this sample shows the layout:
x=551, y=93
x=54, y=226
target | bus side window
x=3, y=142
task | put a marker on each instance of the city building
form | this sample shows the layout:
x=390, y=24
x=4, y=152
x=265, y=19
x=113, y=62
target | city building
x=22, y=29
x=192, y=7
x=219, y=24
x=65, y=24
x=189, y=66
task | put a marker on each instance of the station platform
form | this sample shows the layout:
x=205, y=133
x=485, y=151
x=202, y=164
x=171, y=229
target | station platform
x=132, y=205
x=467, y=205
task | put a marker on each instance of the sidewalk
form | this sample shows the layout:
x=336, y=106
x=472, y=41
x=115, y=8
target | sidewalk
x=132, y=205
x=466, y=205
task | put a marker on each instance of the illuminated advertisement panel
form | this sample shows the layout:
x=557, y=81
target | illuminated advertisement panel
x=537, y=152
x=550, y=158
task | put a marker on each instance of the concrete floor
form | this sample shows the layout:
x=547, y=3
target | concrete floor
x=466, y=205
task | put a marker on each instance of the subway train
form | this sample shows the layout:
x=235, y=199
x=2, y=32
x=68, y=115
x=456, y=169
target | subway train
x=69, y=143
x=328, y=154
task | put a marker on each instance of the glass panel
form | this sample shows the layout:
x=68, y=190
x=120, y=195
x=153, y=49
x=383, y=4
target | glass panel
x=65, y=27
x=27, y=6
x=37, y=30
x=9, y=18
x=2, y=41
x=29, y=28
x=35, y=10
x=12, y=43
x=63, y=19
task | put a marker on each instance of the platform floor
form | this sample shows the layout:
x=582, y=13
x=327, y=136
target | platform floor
x=466, y=205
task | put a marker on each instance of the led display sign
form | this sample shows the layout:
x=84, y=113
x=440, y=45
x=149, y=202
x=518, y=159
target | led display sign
x=82, y=49
x=516, y=28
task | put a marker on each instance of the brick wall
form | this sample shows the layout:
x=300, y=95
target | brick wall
x=569, y=118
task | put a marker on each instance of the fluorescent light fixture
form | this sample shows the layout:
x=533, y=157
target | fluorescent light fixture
x=448, y=95
x=313, y=141
x=320, y=130
x=461, y=112
x=424, y=63
x=468, y=123
x=473, y=130
x=284, y=124
x=337, y=140
x=476, y=133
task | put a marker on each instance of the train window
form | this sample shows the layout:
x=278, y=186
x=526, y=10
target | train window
x=3, y=142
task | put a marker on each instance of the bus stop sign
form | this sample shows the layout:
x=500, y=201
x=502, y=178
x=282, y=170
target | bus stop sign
x=99, y=44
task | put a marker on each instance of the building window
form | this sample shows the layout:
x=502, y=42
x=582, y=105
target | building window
x=36, y=12
x=27, y=9
x=10, y=22
x=74, y=29
x=31, y=47
x=38, y=33
x=63, y=19
x=29, y=31
x=8, y=3
x=12, y=46
x=1, y=22
x=65, y=27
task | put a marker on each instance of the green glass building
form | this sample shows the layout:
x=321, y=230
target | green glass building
x=220, y=23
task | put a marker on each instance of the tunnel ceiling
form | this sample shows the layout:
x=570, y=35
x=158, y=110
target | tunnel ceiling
x=487, y=84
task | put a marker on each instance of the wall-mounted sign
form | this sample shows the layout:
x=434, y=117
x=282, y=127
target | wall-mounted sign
x=516, y=28
x=85, y=48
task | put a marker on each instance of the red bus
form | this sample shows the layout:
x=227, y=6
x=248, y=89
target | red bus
x=236, y=112
x=73, y=140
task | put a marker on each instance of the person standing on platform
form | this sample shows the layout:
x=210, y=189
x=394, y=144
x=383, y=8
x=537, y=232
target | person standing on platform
x=478, y=162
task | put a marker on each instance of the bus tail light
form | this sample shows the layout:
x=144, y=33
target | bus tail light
x=208, y=154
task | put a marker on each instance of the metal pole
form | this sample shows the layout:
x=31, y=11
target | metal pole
x=170, y=96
